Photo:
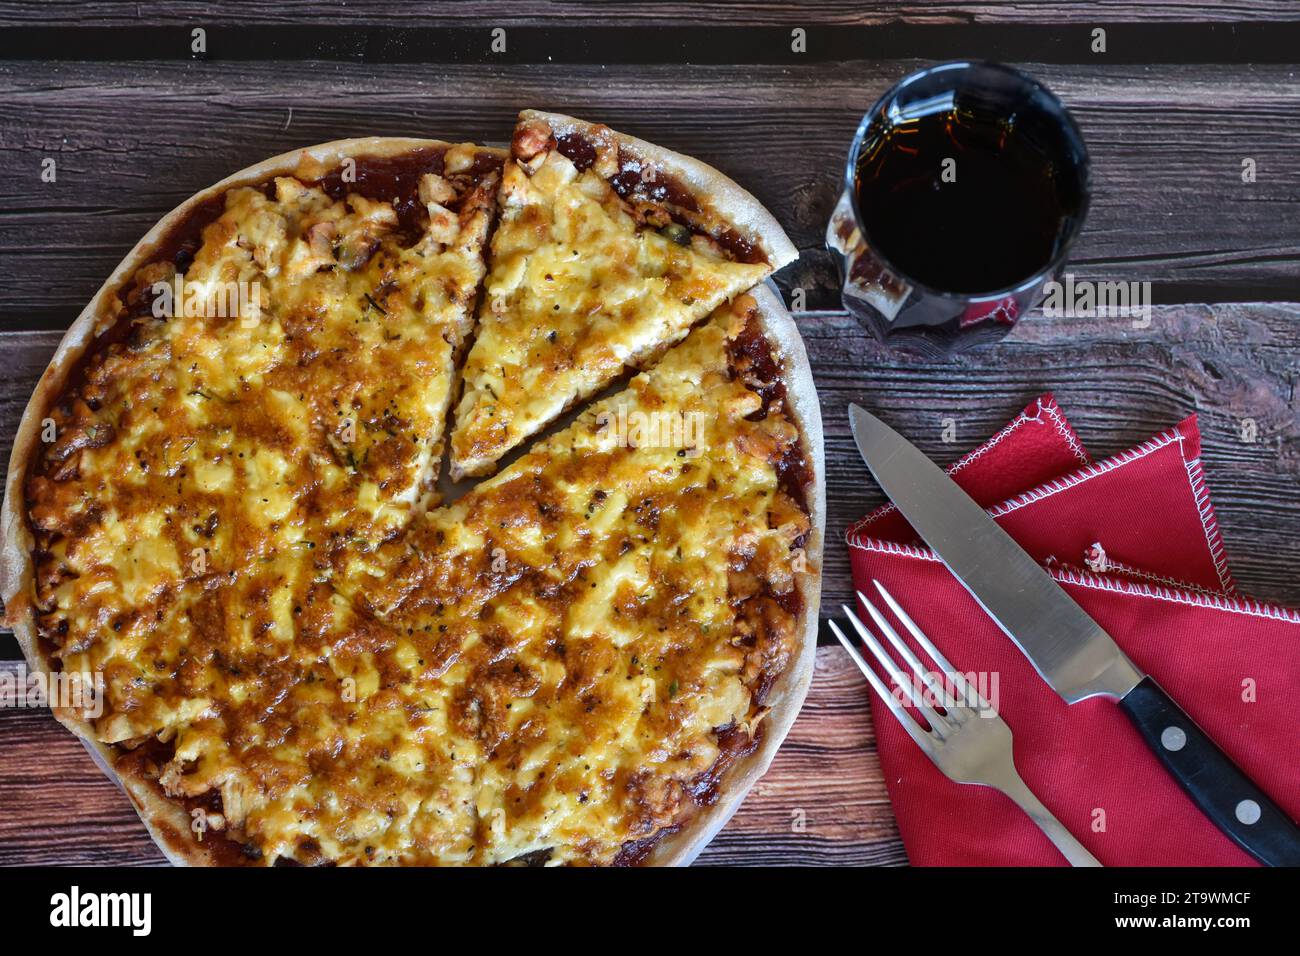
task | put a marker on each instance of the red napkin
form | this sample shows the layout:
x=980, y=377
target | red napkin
x=1036, y=447
x=1144, y=521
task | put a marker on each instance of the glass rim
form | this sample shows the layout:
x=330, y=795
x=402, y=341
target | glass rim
x=1063, y=115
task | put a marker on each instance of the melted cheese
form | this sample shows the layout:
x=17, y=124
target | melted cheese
x=577, y=291
x=585, y=604
x=554, y=665
x=302, y=415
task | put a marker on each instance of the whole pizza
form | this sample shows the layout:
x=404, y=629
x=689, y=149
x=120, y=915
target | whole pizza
x=229, y=507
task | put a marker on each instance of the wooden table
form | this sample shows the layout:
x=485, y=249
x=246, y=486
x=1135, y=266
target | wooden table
x=1186, y=90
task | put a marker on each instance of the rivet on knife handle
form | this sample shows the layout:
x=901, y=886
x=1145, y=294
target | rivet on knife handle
x=1223, y=793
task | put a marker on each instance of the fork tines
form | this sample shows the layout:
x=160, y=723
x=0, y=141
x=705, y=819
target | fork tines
x=957, y=704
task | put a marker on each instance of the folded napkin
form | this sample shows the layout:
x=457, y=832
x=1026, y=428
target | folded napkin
x=1134, y=541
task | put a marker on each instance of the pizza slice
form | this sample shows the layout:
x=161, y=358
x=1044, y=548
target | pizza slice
x=608, y=251
x=381, y=282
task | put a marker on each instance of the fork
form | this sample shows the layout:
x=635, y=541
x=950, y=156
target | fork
x=970, y=744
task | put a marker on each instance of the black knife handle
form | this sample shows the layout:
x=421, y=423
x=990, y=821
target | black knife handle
x=1224, y=794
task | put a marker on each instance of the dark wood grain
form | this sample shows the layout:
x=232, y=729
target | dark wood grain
x=568, y=12
x=130, y=141
x=56, y=806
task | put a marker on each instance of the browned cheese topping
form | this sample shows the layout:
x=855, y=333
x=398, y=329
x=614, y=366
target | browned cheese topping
x=237, y=525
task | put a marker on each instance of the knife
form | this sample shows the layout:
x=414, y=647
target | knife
x=1067, y=647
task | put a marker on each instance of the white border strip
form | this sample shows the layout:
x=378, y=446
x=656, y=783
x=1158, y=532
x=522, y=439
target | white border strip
x=1045, y=404
x=1069, y=481
x=1209, y=524
x=1119, y=569
x=1057, y=485
x=1195, y=476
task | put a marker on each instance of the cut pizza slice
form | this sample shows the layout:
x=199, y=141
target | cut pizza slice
x=608, y=251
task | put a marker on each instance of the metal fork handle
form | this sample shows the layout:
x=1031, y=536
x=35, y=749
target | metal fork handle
x=1052, y=828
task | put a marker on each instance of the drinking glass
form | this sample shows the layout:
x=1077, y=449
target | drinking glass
x=925, y=317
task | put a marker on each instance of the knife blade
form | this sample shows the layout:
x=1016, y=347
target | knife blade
x=1070, y=651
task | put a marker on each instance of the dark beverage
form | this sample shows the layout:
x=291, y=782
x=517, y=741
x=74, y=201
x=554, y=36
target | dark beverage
x=965, y=186
x=966, y=201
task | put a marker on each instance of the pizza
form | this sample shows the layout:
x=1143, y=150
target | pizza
x=224, y=508
x=608, y=251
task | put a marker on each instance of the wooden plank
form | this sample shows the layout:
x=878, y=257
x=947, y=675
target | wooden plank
x=55, y=805
x=576, y=12
x=822, y=802
x=1168, y=143
x=1118, y=384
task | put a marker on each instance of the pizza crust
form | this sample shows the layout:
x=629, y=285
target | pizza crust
x=168, y=821
x=710, y=188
